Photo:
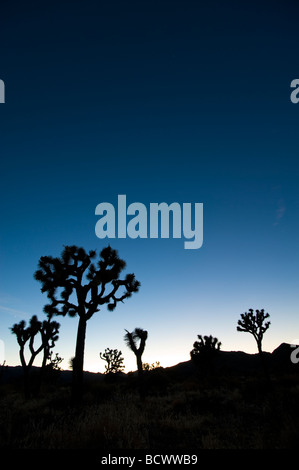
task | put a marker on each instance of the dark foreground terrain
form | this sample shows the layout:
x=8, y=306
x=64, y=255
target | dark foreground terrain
x=234, y=405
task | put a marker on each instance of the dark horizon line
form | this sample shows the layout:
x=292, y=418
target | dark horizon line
x=168, y=367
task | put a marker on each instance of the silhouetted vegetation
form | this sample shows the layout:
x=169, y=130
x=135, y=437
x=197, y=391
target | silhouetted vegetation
x=114, y=361
x=204, y=352
x=205, y=347
x=215, y=400
x=153, y=366
x=256, y=325
x=132, y=339
x=54, y=362
x=78, y=287
x=48, y=332
x=182, y=411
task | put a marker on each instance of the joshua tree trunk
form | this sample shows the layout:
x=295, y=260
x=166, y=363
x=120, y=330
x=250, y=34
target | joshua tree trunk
x=256, y=325
x=44, y=362
x=140, y=376
x=264, y=368
x=79, y=361
x=139, y=365
x=27, y=370
x=259, y=347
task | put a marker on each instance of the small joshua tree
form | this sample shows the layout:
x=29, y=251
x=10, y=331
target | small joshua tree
x=204, y=351
x=49, y=333
x=132, y=339
x=205, y=347
x=27, y=336
x=114, y=360
x=254, y=324
x=54, y=362
x=147, y=366
x=52, y=369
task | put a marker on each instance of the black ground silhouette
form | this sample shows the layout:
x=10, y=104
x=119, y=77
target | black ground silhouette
x=235, y=407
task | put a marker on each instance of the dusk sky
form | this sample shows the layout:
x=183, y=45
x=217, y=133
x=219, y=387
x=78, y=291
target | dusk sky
x=161, y=101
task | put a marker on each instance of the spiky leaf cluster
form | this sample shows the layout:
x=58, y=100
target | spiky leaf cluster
x=132, y=339
x=114, y=360
x=77, y=286
x=49, y=332
x=206, y=347
x=54, y=362
x=24, y=333
x=147, y=367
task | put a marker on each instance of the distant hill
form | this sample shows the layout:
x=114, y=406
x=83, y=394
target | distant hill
x=239, y=362
x=227, y=362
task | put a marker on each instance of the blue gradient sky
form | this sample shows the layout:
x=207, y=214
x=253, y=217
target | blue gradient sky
x=162, y=101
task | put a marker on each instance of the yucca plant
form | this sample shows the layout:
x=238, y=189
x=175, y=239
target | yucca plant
x=114, y=361
x=136, y=342
x=204, y=352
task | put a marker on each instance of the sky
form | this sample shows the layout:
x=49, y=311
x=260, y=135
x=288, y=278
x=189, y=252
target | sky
x=181, y=101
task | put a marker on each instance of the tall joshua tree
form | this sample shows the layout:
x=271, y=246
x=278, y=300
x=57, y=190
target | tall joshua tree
x=132, y=339
x=78, y=287
x=254, y=324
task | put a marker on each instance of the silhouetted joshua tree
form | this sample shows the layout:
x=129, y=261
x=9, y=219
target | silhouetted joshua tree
x=257, y=326
x=114, y=360
x=54, y=362
x=75, y=286
x=48, y=332
x=204, y=352
x=254, y=324
x=149, y=367
x=132, y=339
x=52, y=369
